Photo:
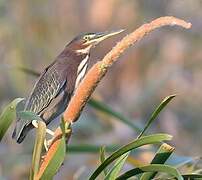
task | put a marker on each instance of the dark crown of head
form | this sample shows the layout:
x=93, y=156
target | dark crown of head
x=79, y=41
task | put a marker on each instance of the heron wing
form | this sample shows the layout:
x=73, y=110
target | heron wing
x=49, y=85
x=45, y=90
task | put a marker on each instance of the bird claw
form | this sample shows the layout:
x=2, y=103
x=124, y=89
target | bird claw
x=47, y=144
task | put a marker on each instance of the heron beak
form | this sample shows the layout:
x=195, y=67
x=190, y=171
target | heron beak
x=98, y=37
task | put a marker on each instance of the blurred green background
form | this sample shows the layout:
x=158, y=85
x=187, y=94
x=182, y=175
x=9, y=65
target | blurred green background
x=168, y=61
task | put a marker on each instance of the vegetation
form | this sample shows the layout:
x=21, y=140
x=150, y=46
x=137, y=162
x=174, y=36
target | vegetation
x=46, y=164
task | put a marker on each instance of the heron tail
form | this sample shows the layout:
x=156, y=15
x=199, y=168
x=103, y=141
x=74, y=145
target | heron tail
x=19, y=137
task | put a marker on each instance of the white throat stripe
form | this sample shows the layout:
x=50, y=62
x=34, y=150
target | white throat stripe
x=81, y=75
x=85, y=50
x=82, y=64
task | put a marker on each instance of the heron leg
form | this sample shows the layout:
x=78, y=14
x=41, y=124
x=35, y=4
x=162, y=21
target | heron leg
x=48, y=131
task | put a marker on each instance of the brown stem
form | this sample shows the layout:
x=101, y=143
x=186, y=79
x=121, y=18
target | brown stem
x=97, y=72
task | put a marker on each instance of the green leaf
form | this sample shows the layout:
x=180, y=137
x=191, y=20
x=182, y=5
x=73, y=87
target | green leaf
x=65, y=127
x=102, y=158
x=39, y=141
x=56, y=162
x=89, y=148
x=117, y=167
x=151, y=139
x=161, y=156
x=28, y=115
x=151, y=168
x=108, y=110
x=8, y=116
x=102, y=154
x=156, y=112
x=192, y=176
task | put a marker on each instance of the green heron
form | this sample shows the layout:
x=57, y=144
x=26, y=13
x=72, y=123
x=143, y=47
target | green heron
x=56, y=85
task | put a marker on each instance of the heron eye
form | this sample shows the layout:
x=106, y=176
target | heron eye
x=87, y=38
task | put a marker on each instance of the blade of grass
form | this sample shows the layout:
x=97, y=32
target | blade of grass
x=151, y=168
x=161, y=156
x=192, y=176
x=102, y=158
x=8, y=116
x=156, y=112
x=117, y=167
x=39, y=141
x=88, y=148
x=65, y=127
x=108, y=110
x=151, y=139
